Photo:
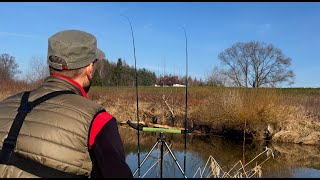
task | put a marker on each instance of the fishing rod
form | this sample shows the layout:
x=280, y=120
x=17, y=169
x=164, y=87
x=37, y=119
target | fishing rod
x=186, y=107
x=136, y=84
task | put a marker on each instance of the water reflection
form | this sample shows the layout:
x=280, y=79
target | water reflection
x=291, y=160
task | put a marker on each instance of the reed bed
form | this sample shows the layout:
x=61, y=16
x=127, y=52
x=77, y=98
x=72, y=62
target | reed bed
x=253, y=168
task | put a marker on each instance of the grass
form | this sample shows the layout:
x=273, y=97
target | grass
x=9, y=88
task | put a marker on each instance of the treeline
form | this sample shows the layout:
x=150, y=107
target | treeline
x=121, y=74
x=108, y=73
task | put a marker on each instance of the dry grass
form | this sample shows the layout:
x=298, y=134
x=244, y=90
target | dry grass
x=156, y=105
x=299, y=128
x=239, y=170
x=224, y=111
x=228, y=110
x=8, y=88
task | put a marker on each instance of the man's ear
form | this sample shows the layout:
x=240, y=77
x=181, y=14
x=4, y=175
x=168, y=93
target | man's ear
x=89, y=71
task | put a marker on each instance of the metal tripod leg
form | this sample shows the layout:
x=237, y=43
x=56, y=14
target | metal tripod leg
x=175, y=159
x=158, y=141
x=161, y=140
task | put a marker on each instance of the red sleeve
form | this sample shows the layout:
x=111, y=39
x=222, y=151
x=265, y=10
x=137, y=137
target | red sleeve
x=98, y=123
x=106, y=149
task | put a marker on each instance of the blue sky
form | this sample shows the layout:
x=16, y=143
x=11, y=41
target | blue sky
x=160, y=45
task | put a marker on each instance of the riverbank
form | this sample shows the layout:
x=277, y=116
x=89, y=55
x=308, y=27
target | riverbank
x=289, y=115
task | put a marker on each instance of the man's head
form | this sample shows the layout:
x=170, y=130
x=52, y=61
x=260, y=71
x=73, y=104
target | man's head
x=72, y=53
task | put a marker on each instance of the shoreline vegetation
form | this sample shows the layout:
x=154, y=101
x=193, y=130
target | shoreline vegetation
x=277, y=114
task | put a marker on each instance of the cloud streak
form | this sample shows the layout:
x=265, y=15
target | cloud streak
x=263, y=28
x=147, y=26
x=3, y=33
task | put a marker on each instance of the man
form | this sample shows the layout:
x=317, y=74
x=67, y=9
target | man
x=55, y=131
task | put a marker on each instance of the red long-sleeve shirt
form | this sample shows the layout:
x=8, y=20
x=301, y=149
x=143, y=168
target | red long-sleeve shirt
x=105, y=145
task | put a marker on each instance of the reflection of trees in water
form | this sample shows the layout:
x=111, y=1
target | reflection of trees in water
x=225, y=151
x=289, y=156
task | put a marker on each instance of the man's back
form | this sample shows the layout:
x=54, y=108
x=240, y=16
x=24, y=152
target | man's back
x=55, y=133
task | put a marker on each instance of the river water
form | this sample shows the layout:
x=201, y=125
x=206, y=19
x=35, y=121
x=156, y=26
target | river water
x=289, y=160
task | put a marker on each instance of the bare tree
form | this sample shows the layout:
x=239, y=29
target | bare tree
x=38, y=69
x=256, y=64
x=216, y=77
x=8, y=67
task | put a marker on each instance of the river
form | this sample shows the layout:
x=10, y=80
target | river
x=289, y=160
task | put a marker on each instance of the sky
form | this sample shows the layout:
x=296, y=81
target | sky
x=211, y=27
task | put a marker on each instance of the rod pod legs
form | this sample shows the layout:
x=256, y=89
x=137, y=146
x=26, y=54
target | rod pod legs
x=161, y=139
